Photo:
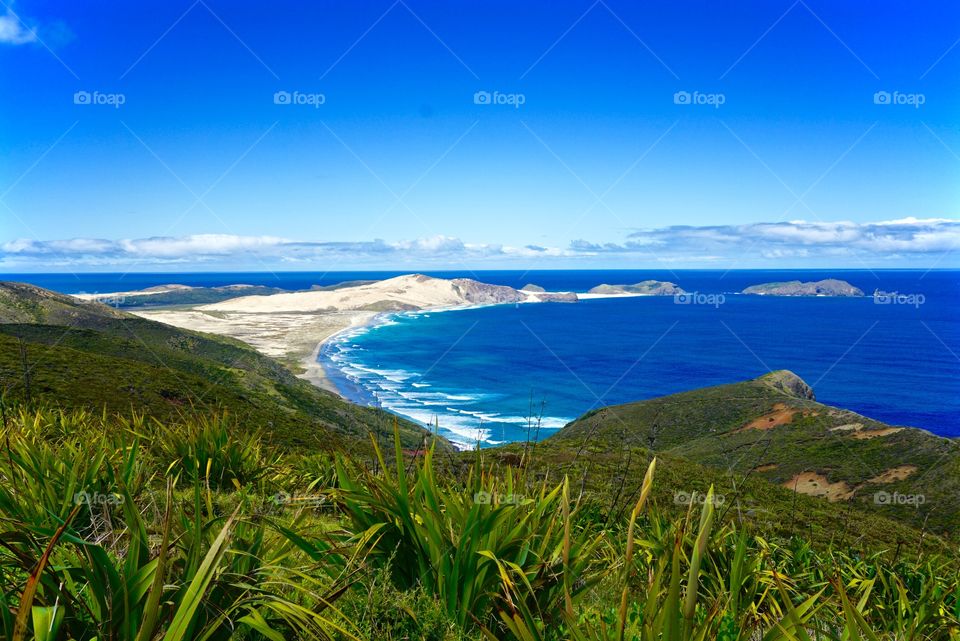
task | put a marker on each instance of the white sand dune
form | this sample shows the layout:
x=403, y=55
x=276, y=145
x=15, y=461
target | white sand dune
x=414, y=291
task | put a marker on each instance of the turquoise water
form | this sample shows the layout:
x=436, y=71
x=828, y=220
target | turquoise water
x=482, y=373
x=479, y=372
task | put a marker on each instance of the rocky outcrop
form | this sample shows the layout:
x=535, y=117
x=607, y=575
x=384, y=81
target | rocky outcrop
x=474, y=292
x=643, y=288
x=530, y=287
x=789, y=383
x=477, y=293
x=556, y=297
x=827, y=287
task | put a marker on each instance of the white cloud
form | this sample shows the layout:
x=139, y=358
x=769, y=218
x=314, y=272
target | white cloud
x=13, y=31
x=218, y=247
x=915, y=241
x=804, y=238
x=198, y=245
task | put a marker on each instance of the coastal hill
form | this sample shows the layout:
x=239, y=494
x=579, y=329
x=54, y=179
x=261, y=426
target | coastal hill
x=772, y=428
x=410, y=292
x=61, y=351
x=827, y=287
x=24, y=303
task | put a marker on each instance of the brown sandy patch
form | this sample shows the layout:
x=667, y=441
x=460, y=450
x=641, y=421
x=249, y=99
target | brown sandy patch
x=781, y=415
x=894, y=474
x=849, y=427
x=815, y=484
x=863, y=435
x=765, y=468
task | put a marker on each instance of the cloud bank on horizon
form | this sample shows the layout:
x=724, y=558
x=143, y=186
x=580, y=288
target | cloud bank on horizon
x=895, y=243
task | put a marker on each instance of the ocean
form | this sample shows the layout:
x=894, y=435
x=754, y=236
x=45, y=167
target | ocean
x=493, y=374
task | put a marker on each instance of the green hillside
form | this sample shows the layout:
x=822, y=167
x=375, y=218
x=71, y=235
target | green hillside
x=771, y=428
x=57, y=350
x=664, y=519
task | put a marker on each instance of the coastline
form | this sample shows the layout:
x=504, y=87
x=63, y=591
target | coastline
x=300, y=330
x=297, y=337
x=313, y=370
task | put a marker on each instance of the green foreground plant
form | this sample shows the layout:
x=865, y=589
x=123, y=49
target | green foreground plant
x=118, y=528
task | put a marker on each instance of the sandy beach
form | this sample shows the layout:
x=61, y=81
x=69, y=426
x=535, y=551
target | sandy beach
x=312, y=368
x=292, y=338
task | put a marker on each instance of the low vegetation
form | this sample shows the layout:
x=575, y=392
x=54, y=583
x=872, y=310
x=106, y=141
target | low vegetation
x=128, y=527
x=214, y=495
x=771, y=429
x=60, y=351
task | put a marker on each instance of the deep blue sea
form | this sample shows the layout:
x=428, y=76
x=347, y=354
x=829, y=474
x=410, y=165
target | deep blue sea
x=481, y=372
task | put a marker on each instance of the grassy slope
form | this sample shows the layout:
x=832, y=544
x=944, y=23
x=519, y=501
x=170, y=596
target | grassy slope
x=89, y=355
x=706, y=426
x=610, y=481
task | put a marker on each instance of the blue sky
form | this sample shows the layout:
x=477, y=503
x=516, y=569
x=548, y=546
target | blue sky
x=320, y=135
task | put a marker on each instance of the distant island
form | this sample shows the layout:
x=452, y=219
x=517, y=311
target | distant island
x=643, y=288
x=827, y=287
